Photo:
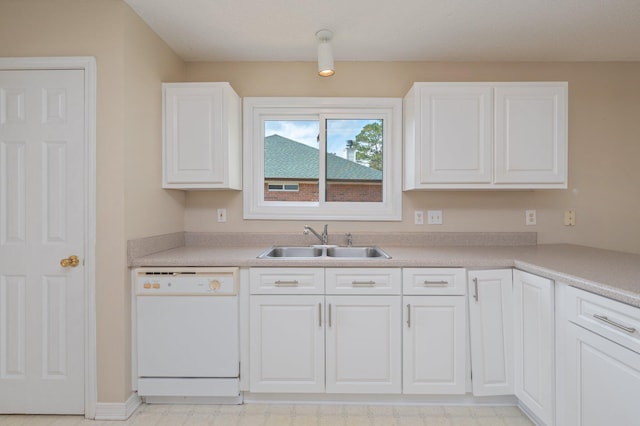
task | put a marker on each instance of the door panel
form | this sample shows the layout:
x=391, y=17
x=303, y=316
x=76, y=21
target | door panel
x=363, y=338
x=491, y=329
x=434, y=345
x=287, y=343
x=41, y=222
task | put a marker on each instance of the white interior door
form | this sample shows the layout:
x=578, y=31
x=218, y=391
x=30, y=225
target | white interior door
x=41, y=223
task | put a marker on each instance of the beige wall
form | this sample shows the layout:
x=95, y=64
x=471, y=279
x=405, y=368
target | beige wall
x=131, y=63
x=604, y=149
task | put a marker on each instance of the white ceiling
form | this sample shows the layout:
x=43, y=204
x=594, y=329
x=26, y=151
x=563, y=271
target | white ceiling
x=400, y=30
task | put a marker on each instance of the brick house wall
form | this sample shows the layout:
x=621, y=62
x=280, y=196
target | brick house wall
x=309, y=191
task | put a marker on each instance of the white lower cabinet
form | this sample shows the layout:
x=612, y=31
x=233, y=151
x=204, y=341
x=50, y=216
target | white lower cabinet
x=534, y=348
x=598, y=360
x=604, y=381
x=491, y=330
x=434, y=344
x=287, y=343
x=346, y=343
x=570, y=357
x=434, y=356
x=363, y=344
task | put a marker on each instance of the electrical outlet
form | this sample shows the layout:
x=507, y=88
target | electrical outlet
x=418, y=217
x=434, y=217
x=222, y=215
x=530, y=217
x=570, y=218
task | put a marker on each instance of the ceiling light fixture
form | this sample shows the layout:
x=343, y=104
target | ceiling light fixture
x=325, y=53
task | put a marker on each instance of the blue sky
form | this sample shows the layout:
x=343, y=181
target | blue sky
x=306, y=131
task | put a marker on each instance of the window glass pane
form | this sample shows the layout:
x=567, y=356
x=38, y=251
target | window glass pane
x=291, y=154
x=354, y=160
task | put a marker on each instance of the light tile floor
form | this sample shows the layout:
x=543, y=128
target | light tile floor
x=295, y=415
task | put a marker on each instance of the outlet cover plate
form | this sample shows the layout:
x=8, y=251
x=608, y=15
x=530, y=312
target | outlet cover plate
x=530, y=217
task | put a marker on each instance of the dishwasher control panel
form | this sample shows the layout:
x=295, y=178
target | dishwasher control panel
x=219, y=282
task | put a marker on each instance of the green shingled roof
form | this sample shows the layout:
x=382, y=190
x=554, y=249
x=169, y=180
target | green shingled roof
x=287, y=159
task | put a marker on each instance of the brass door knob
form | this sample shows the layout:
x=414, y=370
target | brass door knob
x=71, y=261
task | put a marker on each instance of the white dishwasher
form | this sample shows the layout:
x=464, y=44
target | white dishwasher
x=187, y=334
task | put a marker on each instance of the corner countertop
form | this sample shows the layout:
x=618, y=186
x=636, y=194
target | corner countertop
x=609, y=273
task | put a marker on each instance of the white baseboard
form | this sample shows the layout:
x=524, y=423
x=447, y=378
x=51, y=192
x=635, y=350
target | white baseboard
x=118, y=410
x=379, y=399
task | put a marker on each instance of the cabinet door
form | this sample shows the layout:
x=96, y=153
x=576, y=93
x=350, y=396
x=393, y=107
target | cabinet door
x=363, y=353
x=434, y=356
x=531, y=135
x=201, y=136
x=453, y=144
x=534, y=343
x=286, y=343
x=602, y=381
x=491, y=330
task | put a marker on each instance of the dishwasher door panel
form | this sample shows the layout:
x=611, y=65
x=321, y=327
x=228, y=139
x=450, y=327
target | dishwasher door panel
x=187, y=336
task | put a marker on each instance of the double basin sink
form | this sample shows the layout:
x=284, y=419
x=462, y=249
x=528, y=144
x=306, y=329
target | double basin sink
x=284, y=252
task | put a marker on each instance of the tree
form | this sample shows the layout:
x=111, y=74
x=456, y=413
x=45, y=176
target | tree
x=368, y=145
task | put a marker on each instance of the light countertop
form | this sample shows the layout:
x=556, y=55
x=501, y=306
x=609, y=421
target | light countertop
x=609, y=273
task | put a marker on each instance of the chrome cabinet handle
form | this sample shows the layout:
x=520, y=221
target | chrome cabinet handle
x=409, y=315
x=428, y=283
x=615, y=324
x=329, y=315
x=475, y=285
x=319, y=314
x=363, y=283
x=282, y=283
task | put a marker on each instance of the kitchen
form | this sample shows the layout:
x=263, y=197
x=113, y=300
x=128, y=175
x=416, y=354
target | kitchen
x=132, y=62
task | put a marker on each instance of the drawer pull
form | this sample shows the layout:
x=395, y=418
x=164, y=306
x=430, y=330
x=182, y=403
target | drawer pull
x=615, y=324
x=363, y=283
x=281, y=283
x=428, y=283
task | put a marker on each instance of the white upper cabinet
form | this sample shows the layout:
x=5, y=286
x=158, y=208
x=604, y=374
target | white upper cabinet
x=531, y=135
x=202, y=141
x=448, y=135
x=485, y=136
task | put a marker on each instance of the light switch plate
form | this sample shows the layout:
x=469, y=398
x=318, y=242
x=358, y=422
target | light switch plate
x=434, y=217
x=222, y=215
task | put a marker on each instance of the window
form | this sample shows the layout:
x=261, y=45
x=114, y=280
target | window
x=322, y=158
x=284, y=187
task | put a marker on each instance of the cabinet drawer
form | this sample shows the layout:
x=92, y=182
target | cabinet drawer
x=363, y=280
x=438, y=281
x=611, y=319
x=286, y=280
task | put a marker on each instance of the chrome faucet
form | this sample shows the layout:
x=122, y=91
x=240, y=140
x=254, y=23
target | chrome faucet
x=324, y=237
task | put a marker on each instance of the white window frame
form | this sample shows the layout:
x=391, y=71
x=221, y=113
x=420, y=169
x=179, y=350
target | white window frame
x=258, y=110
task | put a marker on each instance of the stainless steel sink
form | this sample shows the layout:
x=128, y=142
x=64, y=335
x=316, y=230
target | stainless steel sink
x=358, y=252
x=281, y=252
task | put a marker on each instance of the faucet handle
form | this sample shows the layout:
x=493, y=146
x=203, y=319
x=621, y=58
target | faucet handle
x=349, y=239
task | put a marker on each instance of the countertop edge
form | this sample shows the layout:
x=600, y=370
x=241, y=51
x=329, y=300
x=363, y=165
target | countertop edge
x=613, y=275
